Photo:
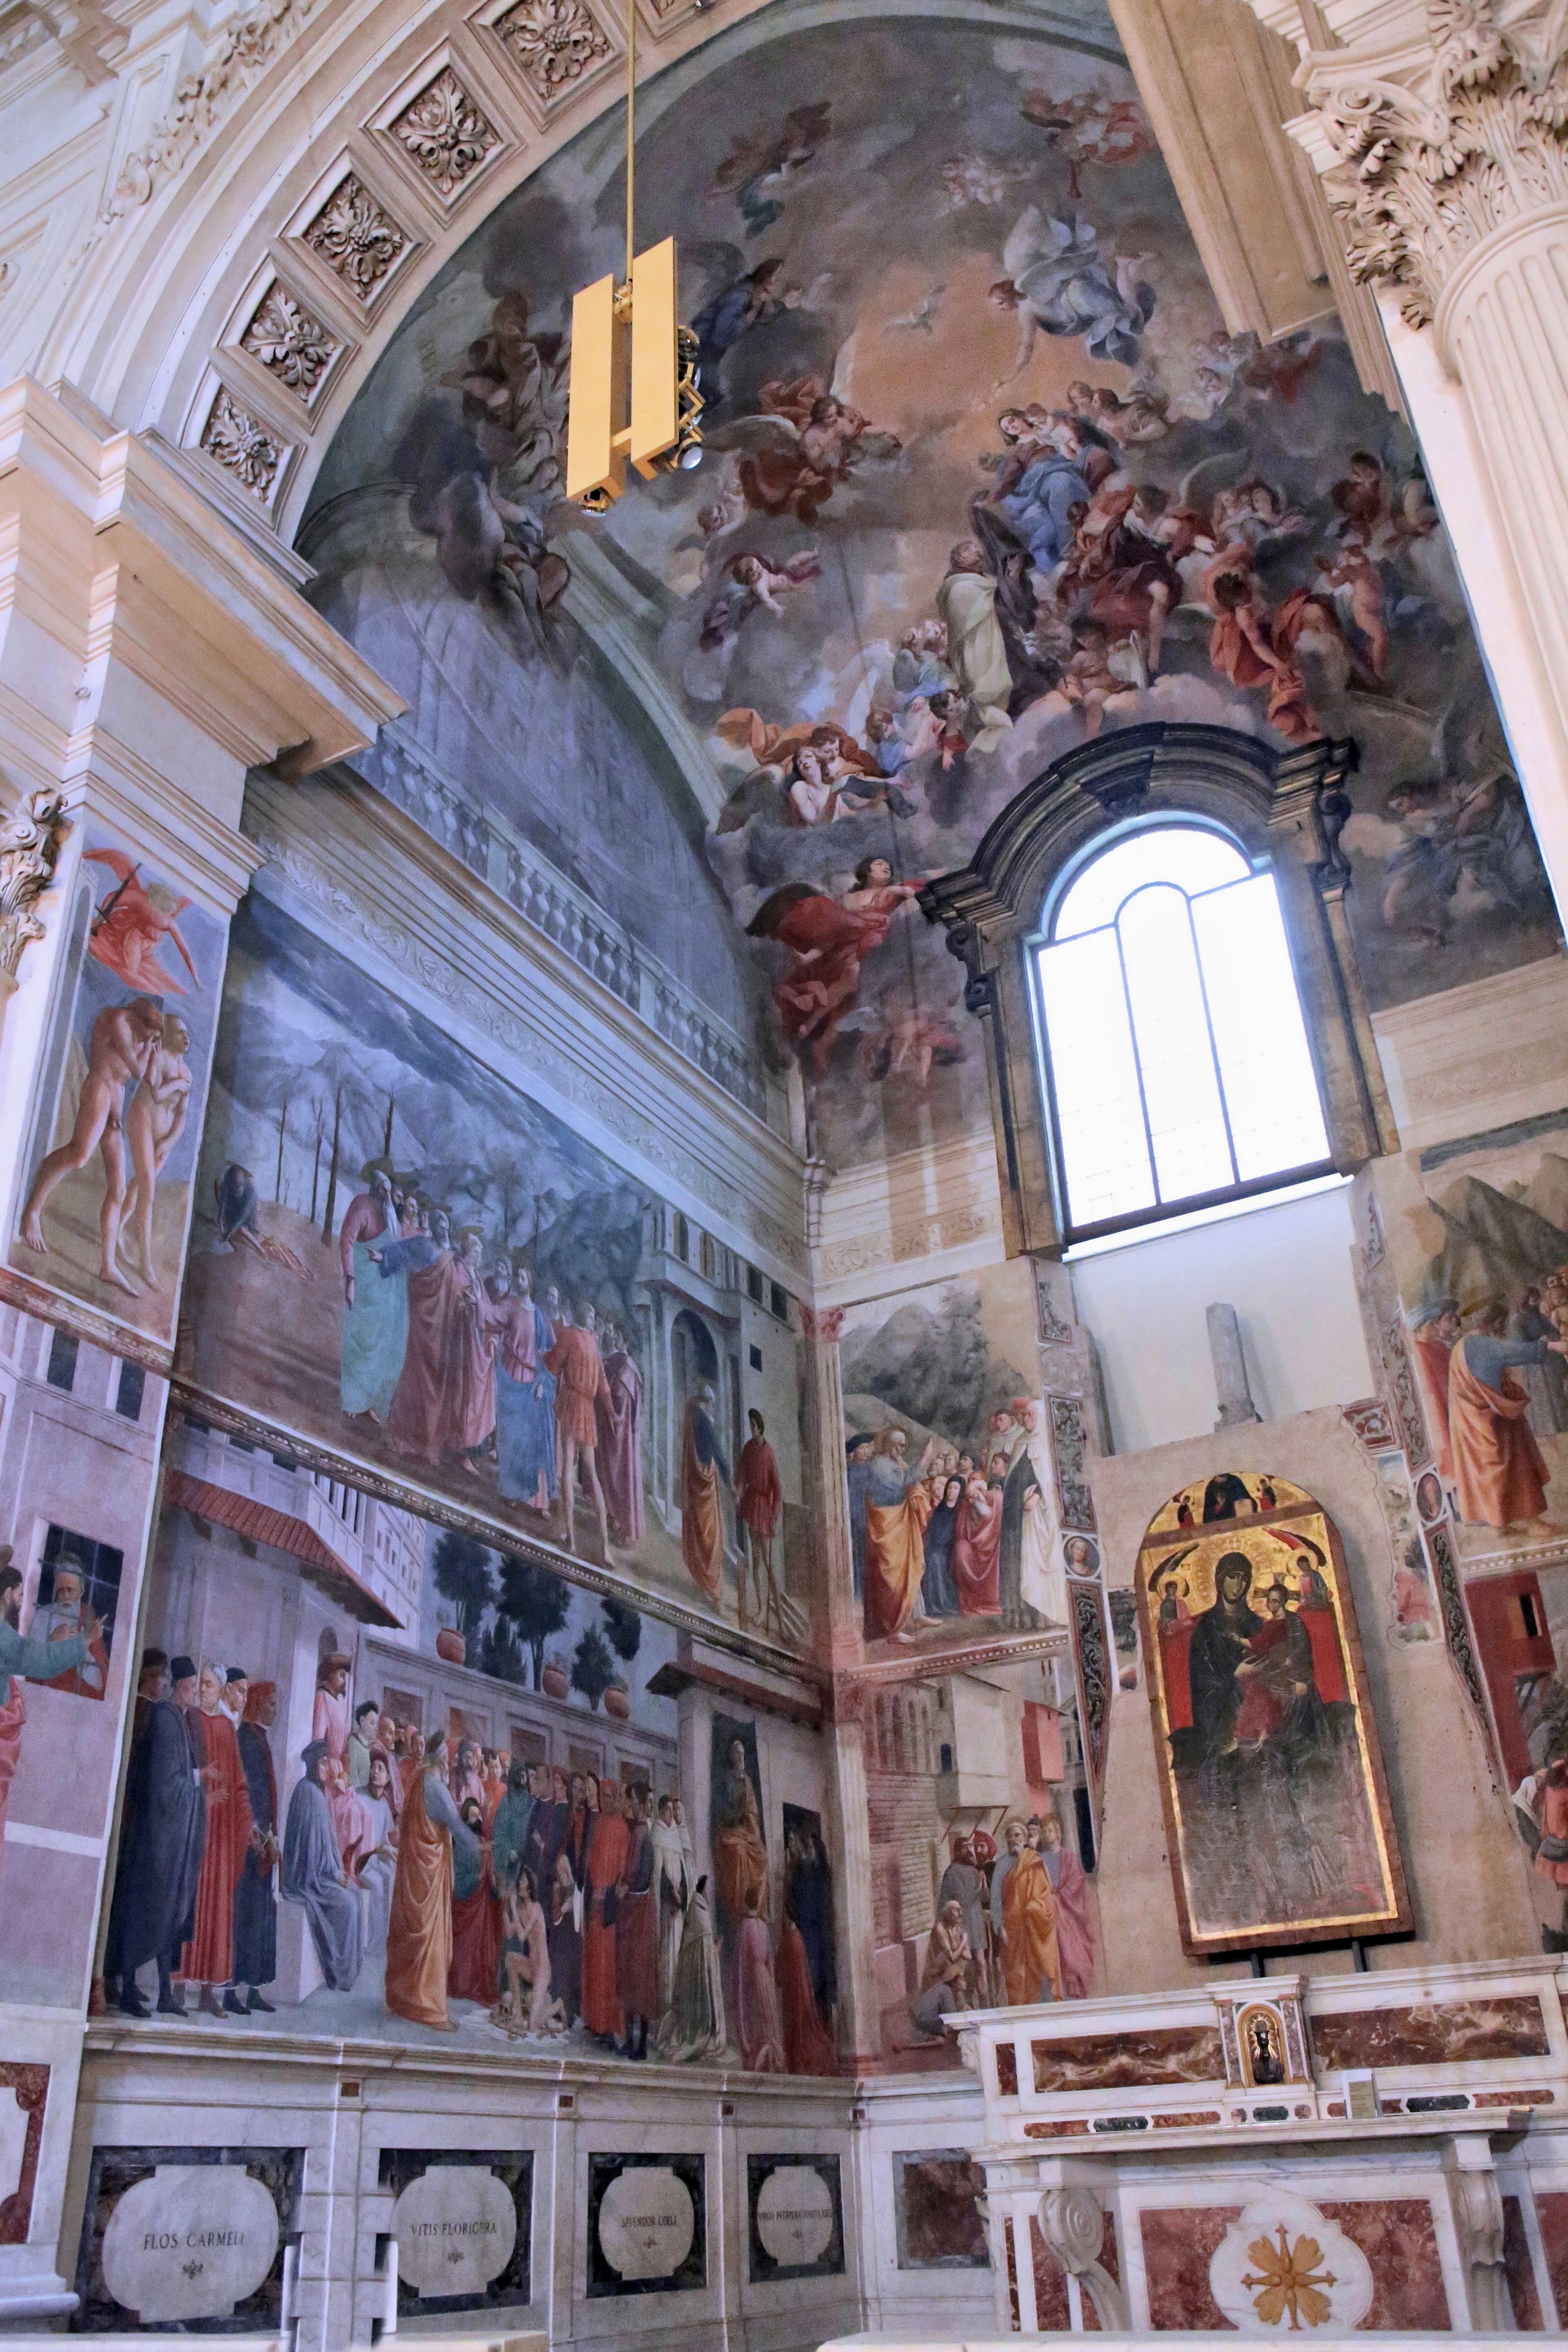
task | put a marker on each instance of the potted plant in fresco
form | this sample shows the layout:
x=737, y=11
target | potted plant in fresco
x=553, y=1681
x=450, y=1646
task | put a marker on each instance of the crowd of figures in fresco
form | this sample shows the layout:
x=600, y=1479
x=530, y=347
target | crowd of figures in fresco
x=984, y=475
x=959, y=1533
x=410, y=1260
x=1014, y=1923
x=434, y=1871
x=1487, y=1313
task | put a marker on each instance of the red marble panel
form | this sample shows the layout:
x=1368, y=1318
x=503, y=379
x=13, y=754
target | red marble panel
x=1051, y=2316
x=29, y=2086
x=1011, y=2253
x=1126, y=2062
x=1520, y=2270
x=1440, y=2033
x=1179, y=2243
x=1006, y=2071
x=1051, y=2286
x=1552, y=2212
x=1398, y=2240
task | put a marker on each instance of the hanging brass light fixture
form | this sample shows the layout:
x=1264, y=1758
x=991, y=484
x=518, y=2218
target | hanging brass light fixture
x=633, y=395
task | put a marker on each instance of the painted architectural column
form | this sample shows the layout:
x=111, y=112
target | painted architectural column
x=836, y=1636
x=835, y=1621
x=1441, y=138
x=854, y=1919
x=150, y=656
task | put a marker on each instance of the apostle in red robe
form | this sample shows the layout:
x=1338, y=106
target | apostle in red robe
x=759, y=1497
x=1075, y=1922
x=473, y=1331
x=703, y=1468
x=208, y=1958
x=608, y=1848
x=417, y=1421
x=473, y=1972
x=580, y=1388
x=976, y=1550
x=1432, y=1339
x=1499, y=1473
x=808, y=2044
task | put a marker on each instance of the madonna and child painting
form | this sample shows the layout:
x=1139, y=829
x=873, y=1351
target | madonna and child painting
x=1269, y=1768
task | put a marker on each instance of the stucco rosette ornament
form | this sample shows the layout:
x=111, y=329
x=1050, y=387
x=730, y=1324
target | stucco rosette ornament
x=1443, y=141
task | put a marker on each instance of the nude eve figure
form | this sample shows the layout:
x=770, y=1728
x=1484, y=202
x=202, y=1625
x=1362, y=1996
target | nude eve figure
x=126, y=1039
x=153, y=1125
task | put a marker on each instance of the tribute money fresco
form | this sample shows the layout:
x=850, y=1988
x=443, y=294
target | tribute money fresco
x=984, y=474
x=400, y=1258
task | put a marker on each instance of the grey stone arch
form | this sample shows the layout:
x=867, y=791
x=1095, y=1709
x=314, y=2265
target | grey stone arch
x=1286, y=807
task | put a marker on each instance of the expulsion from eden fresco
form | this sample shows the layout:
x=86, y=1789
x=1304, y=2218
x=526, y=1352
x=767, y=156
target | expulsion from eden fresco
x=1270, y=1772
x=399, y=1256
x=452, y=1806
x=985, y=473
x=116, y=1122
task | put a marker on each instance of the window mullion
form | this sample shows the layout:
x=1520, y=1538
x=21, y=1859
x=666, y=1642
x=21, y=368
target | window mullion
x=1138, y=1066
x=1208, y=1031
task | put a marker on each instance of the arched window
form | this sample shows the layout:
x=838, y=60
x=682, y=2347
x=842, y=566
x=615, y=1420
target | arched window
x=1177, y=1067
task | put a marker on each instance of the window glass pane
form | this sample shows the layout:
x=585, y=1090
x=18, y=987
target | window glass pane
x=1270, y=1090
x=1182, y=854
x=1100, y=1122
x=1181, y=1090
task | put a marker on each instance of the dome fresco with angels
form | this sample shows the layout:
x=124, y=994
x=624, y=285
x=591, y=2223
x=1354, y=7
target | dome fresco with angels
x=984, y=474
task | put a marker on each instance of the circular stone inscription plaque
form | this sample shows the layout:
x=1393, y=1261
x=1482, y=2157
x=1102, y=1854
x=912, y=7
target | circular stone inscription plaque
x=646, y=2222
x=456, y=2227
x=794, y=2216
x=190, y=2242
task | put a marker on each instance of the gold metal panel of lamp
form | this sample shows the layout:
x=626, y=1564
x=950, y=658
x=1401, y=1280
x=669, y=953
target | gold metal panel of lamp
x=594, y=464
x=633, y=388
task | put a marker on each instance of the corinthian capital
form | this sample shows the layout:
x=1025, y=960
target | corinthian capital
x=1436, y=123
x=30, y=844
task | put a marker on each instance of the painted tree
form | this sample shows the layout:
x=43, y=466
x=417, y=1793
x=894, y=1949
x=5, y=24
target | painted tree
x=500, y=1652
x=593, y=1668
x=623, y=1628
x=535, y=1604
x=461, y=1569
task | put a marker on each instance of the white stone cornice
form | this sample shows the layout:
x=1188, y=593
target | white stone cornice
x=361, y=873
x=110, y=560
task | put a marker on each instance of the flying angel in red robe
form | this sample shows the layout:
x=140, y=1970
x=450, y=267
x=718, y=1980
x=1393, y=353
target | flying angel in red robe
x=131, y=925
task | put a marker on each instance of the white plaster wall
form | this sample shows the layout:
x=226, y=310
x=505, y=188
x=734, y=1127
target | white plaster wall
x=1287, y=1271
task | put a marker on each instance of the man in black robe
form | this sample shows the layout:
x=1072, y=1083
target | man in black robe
x=255, y=1895
x=809, y=1900
x=162, y=1829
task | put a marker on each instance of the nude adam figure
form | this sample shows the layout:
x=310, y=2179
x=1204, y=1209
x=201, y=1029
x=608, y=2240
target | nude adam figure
x=124, y=1044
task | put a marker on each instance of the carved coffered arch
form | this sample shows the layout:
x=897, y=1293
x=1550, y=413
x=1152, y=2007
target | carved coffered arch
x=267, y=236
